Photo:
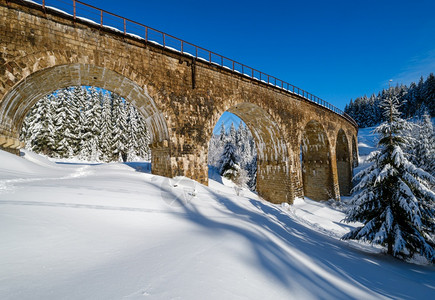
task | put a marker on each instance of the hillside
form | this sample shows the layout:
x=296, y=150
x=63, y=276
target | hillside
x=109, y=231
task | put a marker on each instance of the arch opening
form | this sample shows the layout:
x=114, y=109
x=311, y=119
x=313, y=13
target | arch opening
x=316, y=162
x=88, y=124
x=16, y=104
x=343, y=163
x=273, y=168
x=232, y=152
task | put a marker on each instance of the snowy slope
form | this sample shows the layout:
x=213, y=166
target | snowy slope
x=110, y=232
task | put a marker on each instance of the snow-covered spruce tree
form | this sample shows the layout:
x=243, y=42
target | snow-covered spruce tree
x=229, y=167
x=77, y=100
x=143, y=150
x=65, y=133
x=119, y=126
x=131, y=145
x=393, y=199
x=32, y=119
x=42, y=130
x=423, y=155
x=105, y=138
x=91, y=127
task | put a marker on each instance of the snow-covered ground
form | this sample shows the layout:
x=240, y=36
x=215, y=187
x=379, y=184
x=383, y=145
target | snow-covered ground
x=110, y=231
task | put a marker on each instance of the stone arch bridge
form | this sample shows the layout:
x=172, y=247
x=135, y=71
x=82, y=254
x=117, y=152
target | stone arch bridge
x=305, y=146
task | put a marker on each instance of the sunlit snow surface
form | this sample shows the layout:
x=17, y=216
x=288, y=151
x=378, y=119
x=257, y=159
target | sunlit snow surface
x=73, y=231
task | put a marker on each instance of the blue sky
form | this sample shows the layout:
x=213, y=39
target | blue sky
x=336, y=50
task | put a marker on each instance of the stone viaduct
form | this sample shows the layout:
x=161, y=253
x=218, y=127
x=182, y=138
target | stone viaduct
x=303, y=147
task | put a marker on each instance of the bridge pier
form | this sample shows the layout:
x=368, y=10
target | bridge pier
x=161, y=159
x=10, y=144
x=335, y=188
x=274, y=183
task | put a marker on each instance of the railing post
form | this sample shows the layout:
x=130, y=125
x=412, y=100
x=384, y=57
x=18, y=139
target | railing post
x=182, y=46
x=209, y=56
x=233, y=65
x=164, y=42
x=125, y=28
x=43, y=4
x=74, y=5
x=222, y=61
x=101, y=21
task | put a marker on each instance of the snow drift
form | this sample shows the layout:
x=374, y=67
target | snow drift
x=110, y=232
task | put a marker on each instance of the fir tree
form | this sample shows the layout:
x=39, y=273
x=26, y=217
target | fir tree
x=119, y=123
x=423, y=154
x=393, y=199
x=105, y=137
x=42, y=129
x=77, y=102
x=229, y=166
x=63, y=120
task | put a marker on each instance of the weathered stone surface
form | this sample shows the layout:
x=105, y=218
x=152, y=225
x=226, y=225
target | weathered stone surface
x=44, y=51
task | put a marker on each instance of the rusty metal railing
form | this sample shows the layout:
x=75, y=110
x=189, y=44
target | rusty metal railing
x=110, y=21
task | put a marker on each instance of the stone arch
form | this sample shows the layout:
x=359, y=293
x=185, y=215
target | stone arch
x=18, y=101
x=354, y=153
x=343, y=160
x=273, y=166
x=315, y=154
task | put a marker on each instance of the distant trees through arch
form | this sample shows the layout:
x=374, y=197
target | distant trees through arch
x=232, y=152
x=88, y=123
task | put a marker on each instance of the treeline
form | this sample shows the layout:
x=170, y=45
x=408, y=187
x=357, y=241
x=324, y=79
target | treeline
x=234, y=155
x=413, y=100
x=86, y=123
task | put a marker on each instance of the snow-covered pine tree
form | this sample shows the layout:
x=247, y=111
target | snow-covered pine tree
x=216, y=147
x=393, y=199
x=429, y=93
x=42, y=129
x=229, y=167
x=86, y=135
x=242, y=146
x=105, y=138
x=132, y=142
x=91, y=128
x=64, y=122
x=119, y=125
x=223, y=135
x=423, y=155
x=77, y=101
x=32, y=119
x=143, y=151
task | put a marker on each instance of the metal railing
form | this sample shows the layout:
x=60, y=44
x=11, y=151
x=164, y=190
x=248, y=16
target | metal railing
x=99, y=17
